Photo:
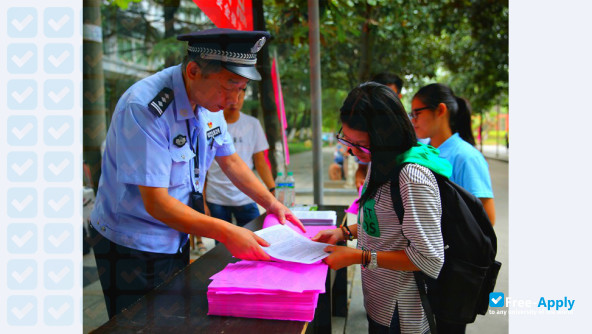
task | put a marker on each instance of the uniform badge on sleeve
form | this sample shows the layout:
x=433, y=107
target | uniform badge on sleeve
x=161, y=101
x=213, y=133
x=180, y=140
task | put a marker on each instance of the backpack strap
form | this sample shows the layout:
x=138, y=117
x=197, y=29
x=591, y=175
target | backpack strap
x=417, y=275
x=396, y=194
x=420, y=282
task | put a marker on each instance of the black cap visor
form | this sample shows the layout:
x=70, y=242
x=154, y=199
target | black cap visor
x=249, y=72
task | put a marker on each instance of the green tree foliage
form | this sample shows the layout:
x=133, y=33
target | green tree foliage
x=460, y=43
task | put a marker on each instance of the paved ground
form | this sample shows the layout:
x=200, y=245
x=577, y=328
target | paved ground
x=342, y=193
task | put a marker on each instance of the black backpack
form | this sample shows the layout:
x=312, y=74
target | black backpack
x=470, y=270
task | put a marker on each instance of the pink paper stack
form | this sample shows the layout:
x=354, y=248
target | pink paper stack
x=267, y=290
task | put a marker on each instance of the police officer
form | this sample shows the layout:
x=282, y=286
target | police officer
x=164, y=134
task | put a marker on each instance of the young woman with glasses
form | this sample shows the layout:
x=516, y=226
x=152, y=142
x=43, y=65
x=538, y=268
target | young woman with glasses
x=377, y=130
x=446, y=119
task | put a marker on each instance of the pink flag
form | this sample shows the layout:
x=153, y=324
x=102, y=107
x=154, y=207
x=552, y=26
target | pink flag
x=279, y=101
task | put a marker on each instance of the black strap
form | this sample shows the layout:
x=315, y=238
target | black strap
x=418, y=275
x=195, y=150
x=420, y=282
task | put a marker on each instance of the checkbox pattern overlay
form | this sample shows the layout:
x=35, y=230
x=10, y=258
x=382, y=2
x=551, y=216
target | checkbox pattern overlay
x=41, y=166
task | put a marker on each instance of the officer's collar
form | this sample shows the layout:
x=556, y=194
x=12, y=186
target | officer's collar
x=183, y=108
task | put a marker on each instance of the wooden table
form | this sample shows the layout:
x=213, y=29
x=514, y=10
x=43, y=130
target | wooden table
x=180, y=305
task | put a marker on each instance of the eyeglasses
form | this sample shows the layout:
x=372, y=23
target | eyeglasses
x=350, y=144
x=416, y=112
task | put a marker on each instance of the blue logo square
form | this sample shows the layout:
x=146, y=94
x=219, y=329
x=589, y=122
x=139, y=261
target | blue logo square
x=22, y=94
x=58, y=94
x=496, y=299
x=21, y=203
x=22, y=22
x=59, y=202
x=58, y=238
x=58, y=274
x=22, y=58
x=58, y=310
x=21, y=310
x=58, y=58
x=58, y=131
x=21, y=274
x=21, y=238
x=58, y=166
x=58, y=22
x=21, y=130
x=21, y=166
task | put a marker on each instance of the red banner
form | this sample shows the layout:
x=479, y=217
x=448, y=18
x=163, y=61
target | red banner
x=234, y=14
x=279, y=102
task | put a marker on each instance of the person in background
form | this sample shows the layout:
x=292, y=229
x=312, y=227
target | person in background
x=223, y=199
x=164, y=134
x=446, y=119
x=378, y=131
x=336, y=171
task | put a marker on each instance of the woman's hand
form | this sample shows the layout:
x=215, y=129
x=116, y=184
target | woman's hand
x=342, y=256
x=331, y=236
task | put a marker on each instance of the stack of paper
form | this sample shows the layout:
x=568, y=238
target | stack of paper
x=274, y=290
x=318, y=218
x=267, y=290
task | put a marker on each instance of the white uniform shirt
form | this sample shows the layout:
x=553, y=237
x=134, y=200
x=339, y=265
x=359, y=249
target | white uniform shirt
x=249, y=138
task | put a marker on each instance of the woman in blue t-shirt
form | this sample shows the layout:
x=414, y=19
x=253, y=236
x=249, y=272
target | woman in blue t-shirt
x=438, y=114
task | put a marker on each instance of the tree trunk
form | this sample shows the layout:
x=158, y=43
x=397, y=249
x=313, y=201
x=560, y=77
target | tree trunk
x=93, y=105
x=266, y=95
x=170, y=8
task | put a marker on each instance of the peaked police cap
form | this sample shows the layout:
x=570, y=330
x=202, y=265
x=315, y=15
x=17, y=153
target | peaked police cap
x=235, y=49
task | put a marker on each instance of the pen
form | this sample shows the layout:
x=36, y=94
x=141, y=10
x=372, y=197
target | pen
x=343, y=220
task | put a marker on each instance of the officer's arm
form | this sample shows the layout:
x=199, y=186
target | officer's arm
x=243, y=178
x=242, y=243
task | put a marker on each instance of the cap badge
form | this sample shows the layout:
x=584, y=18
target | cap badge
x=258, y=45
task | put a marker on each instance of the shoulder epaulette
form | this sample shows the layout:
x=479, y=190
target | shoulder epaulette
x=161, y=101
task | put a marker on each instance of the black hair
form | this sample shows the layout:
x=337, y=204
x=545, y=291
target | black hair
x=374, y=108
x=386, y=78
x=207, y=66
x=459, y=109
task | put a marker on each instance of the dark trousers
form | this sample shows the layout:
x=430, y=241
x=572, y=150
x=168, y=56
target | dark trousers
x=444, y=327
x=376, y=328
x=243, y=214
x=127, y=274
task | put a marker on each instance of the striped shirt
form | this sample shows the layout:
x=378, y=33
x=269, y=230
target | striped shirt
x=419, y=236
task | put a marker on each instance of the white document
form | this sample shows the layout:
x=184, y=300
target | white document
x=287, y=245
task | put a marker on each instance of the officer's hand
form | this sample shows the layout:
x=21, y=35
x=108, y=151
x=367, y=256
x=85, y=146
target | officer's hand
x=284, y=213
x=330, y=236
x=245, y=244
x=341, y=256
